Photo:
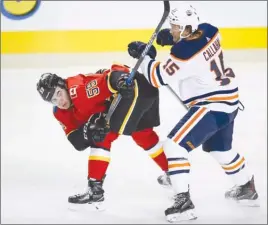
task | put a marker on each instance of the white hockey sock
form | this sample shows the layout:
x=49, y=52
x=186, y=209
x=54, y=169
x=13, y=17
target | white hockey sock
x=234, y=165
x=178, y=166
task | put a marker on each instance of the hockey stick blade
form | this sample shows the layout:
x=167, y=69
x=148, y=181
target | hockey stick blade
x=144, y=53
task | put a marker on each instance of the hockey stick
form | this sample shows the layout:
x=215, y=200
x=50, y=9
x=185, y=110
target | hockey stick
x=176, y=96
x=144, y=53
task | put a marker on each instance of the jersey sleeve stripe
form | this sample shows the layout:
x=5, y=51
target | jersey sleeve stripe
x=159, y=75
x=149, y=70
x=153, y=76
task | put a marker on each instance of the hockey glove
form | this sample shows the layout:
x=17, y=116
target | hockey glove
x=164, y=38
x=136, y=48
x=127, y=91
x=96, y=128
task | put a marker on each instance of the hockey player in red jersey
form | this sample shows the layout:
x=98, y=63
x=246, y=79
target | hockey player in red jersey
x=80, y=103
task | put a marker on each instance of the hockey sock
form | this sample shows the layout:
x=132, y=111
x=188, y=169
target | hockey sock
x=98, y=162
x=234, y=165
x=157, y=154
x=178, y=166
x=149, y=141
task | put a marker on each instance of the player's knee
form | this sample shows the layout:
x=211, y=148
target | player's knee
x=146, y=138
x=173, y=150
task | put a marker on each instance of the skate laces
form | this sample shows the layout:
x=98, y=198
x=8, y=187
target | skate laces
x=235, y=191
x=180, y=199
x=81, y=195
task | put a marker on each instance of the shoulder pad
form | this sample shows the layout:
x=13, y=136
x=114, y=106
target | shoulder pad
x=184, y=49
x=208, y=29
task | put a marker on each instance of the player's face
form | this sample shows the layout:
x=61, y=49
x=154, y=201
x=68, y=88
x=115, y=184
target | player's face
x=61, y=98
x=175, y=32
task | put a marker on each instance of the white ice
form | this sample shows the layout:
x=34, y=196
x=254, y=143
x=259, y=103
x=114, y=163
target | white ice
x=40, y=168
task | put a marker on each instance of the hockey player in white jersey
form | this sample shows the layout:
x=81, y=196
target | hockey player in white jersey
x=196, y=72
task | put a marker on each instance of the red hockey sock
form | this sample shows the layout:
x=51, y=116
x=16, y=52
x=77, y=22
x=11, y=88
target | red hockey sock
x=98, y=163
x=149, y=141
x=161, y=159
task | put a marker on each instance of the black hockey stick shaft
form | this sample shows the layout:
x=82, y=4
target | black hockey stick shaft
x=144, y=53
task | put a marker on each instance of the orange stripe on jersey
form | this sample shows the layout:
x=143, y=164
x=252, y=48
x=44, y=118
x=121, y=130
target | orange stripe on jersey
x=223, y=98
x=234, y=166
x=189, y=123
x=185, y=60
x=154, y=76
x=192, y=103
x=220, y=98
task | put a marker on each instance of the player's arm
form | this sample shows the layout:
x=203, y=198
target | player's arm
x=158, y=73
x=85, y=136
x=117, y=80
x=90, y=133
x=73, y=133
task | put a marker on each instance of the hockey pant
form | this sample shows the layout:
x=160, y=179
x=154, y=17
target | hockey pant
x=211, y=129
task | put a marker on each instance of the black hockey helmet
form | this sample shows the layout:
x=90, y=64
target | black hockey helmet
x=47, y=84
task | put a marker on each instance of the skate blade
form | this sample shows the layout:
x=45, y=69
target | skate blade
x=178, y=217
x=99, y=206
x=249, y=203
x=168, y=186
x=95, y=206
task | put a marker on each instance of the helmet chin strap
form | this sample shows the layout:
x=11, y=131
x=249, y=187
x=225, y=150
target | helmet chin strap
x=184, y=36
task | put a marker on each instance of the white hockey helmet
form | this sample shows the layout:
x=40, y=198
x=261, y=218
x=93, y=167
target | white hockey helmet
x=184, y=15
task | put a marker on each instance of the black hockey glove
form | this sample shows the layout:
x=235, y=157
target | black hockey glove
x=164, y=37
x=96, y=128
x=127, y=91
x=136, y=48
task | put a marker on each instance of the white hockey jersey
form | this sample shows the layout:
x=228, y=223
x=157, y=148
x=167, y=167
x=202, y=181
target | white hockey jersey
x=195, y=70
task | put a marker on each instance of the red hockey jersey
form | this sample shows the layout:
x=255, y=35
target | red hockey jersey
x=88, y=94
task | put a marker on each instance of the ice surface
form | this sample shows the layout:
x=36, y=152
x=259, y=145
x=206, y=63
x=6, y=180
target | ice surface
x=40, y=169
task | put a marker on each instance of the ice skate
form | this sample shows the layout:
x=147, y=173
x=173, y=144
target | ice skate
x=82, y=198
x=93, y=195
x=182, y=209
x=245, y=194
